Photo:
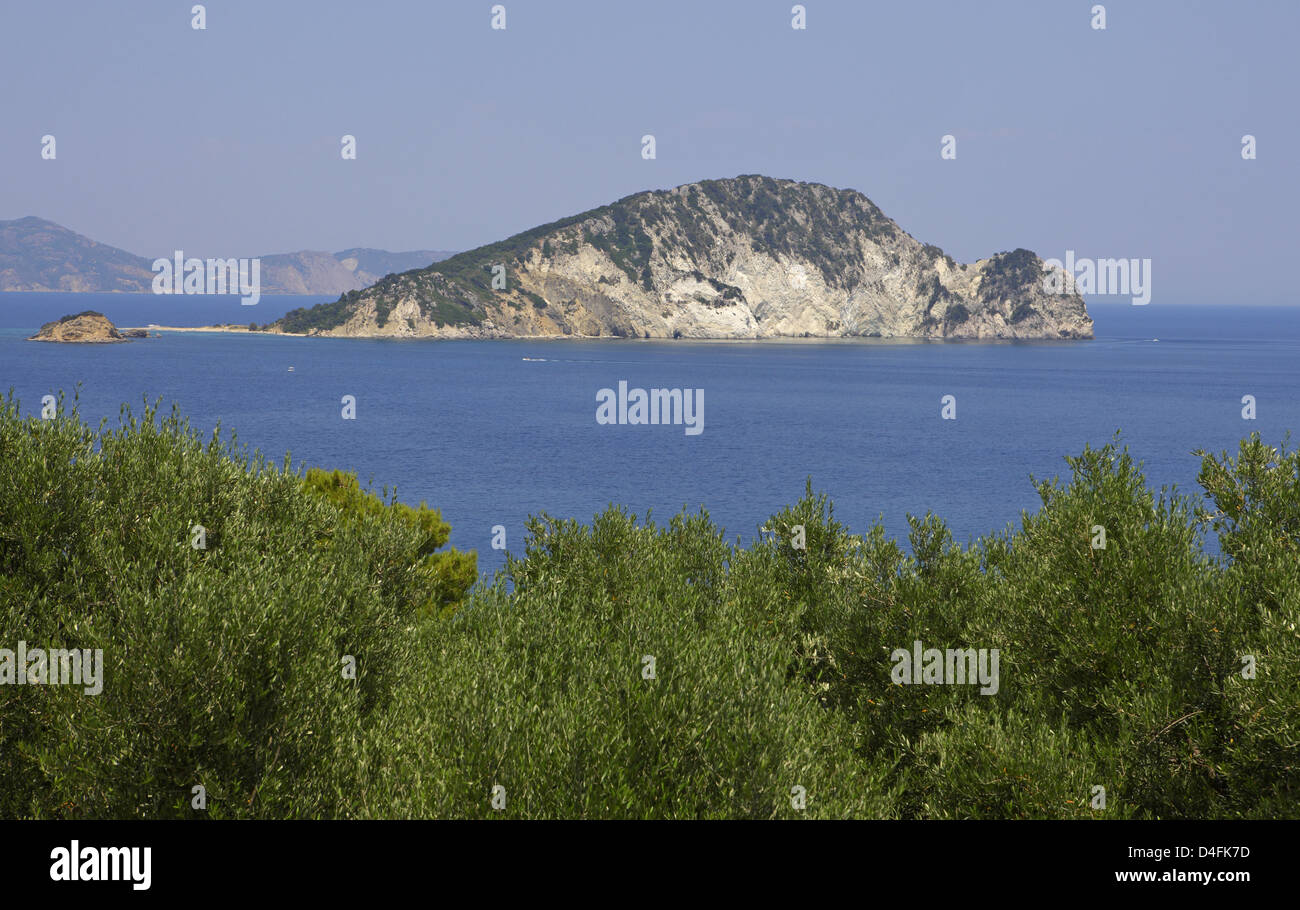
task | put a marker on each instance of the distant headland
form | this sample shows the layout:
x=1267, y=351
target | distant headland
x=39, y=255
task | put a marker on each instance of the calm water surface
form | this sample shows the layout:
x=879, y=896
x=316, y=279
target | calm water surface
x=490, y=432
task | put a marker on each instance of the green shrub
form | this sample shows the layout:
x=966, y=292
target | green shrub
x=223, y=665
x=448, y=575
x=542, y=691
x=1124, y=667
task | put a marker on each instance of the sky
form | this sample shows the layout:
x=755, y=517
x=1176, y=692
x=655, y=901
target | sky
x=1124, y=142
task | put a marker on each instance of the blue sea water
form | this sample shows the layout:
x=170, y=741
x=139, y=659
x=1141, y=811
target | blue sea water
x=490, y=432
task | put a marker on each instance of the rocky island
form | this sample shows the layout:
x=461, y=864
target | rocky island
x=85, y=328
x=740, y=258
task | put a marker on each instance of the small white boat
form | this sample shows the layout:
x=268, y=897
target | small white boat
x=290, y=369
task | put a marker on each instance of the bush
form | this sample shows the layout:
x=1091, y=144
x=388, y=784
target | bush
x=223, y=665
x=543, y=691
x=627, y=669
x=446, y=575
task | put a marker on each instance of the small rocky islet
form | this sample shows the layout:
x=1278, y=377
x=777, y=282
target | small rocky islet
x=88, y=327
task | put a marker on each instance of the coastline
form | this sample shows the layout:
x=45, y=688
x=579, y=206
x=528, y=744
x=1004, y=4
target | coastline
x=778, y=339
x=231, y=329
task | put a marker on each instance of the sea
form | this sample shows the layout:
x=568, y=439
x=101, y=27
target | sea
x=491, y=432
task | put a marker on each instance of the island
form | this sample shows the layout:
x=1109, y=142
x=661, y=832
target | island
x=88, y=327
x=747, y=257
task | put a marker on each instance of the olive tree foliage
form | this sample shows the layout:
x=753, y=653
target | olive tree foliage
x=322, y=654
x=227, y=599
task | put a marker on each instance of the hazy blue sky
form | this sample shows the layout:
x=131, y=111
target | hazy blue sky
x=1117, y=143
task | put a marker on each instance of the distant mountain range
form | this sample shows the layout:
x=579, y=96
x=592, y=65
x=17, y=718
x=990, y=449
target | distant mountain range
x=744, y=257
x=39, y=255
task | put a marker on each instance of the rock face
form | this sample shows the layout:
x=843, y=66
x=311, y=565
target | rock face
x=83, y=328
x=748, y=257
